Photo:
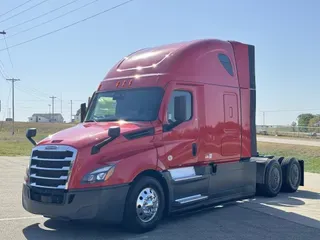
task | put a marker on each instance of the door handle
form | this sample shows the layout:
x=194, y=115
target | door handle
x=194, y=149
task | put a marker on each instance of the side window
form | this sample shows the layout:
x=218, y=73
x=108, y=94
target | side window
x=178, y=93
x=226, y=63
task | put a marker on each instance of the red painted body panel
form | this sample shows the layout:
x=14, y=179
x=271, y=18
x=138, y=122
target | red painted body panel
x=220, y=125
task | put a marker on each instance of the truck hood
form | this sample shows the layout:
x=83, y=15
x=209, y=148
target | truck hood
x=85, y=134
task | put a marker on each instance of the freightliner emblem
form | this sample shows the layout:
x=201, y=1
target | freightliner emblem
x=50, y=147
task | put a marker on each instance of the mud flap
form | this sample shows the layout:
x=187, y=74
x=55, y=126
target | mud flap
x=301, y=162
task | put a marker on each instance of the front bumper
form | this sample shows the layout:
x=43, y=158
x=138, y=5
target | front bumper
x=106, y=204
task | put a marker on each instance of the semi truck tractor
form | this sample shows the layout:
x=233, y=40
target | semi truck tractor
x=169, y=129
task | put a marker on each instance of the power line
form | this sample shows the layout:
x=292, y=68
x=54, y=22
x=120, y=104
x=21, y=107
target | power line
x=24, y=11
x=40, y=93
x=4, y=37
x=15, y=8
x=70, y=25
x=55, y=18
x=2, y=74
x=2, y=71
x=30, y=93
x=42, y=15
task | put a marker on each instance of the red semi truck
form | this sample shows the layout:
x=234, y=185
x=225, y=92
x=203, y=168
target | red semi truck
x=169, y=129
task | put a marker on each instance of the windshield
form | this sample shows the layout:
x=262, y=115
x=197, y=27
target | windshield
x=140, y=104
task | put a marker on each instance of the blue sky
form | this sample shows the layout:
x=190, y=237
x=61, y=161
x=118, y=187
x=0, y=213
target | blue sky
x=70, y=64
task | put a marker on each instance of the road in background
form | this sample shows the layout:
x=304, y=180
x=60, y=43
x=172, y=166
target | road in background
x=289, y=216
x=315, y=143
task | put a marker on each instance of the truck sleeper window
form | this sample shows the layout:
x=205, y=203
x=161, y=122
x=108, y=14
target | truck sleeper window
x=130, y=105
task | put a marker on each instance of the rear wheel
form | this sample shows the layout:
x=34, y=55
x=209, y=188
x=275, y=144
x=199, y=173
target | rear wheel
x=273, y=179
x=291, y=172
x=144, y=206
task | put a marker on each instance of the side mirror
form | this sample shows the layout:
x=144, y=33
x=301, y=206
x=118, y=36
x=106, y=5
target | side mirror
x=83, y=111
x=180, y=108
x=114, y=132
x=31, y=132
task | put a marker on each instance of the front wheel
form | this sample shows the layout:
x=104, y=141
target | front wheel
x=144, y=205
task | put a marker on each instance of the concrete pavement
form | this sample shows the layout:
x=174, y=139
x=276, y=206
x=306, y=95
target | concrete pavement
x=289, y=216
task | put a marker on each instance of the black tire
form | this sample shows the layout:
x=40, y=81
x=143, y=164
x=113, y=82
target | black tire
x=273, y=179
x=291, y=172
x=131, y=220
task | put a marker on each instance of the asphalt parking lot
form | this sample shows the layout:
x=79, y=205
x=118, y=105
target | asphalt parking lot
x=289, y=216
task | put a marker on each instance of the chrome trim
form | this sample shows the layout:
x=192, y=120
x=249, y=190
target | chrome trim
x=59, y=148
x=53, y=160
x=188, y=178
x=40, y=186
x=134, y=76
x=53, y=169
x=49, y=178
x=184, y=172
x=54, y=148
x=193, y=198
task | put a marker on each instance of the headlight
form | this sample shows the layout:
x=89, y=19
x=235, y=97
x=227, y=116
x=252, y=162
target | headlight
x=99, y=175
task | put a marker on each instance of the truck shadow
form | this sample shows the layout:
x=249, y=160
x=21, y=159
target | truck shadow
x=53, y=229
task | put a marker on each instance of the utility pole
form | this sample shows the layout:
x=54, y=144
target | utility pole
x=71, y=110
x=13, y=80
x=61, y=104
x=53, y=97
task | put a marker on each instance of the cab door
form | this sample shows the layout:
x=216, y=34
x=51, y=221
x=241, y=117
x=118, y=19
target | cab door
x=180, y=139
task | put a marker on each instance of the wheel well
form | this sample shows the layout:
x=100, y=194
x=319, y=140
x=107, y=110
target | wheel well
x=158, y=176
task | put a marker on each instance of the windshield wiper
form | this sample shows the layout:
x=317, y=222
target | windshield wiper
x=108, y=119
x=90, y=120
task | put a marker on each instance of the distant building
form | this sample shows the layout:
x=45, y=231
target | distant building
x=46, y=117
x=77, y=117
x=317, y=124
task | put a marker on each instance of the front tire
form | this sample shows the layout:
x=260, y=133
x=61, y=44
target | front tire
x=144, y=206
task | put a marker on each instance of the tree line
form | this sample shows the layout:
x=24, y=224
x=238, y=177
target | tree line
x=308, y=121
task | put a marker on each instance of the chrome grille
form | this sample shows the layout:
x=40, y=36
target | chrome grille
x=51, y=165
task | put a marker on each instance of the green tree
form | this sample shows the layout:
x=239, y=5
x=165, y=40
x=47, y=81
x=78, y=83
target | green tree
x=303, y=121
x=314, y=123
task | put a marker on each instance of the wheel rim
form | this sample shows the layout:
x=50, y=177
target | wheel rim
x=275, y=178
x=294, y=175
x=147, y=204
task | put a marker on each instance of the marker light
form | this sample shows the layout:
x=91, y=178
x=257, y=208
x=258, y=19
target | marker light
x=99, y=175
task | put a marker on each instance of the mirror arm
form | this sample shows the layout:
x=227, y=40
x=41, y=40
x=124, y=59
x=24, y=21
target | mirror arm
x=169, y=127
x=96, y=148
x=32, y=141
